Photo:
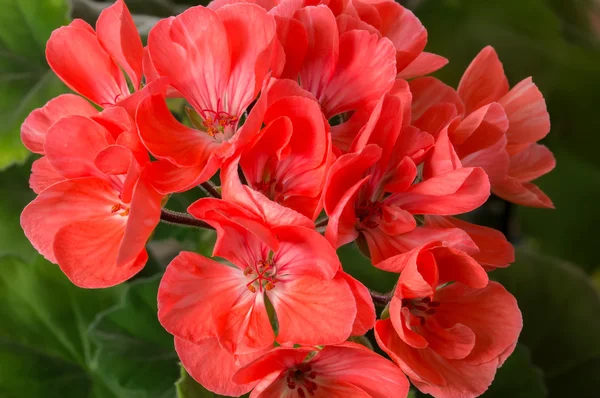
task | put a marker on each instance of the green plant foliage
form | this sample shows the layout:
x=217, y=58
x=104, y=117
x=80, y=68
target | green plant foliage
x=518, y=378
x=45, y=351
x=360, y=267
x=561, y=317
x=135, y=354
x=26, y=80
x=14, y=195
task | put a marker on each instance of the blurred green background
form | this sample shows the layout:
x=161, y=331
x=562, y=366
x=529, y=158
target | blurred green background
x=60, y=341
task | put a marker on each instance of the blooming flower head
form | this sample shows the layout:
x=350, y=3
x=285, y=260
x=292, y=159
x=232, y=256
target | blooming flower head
x=216, y=60
x=96, y=208
x=347, y=370
x=449, y=328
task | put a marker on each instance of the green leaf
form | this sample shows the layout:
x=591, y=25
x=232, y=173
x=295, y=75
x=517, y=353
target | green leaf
x=189, y=388
x=44, y=346
x=15, y=194
x=27, y=81
x=561, y=316
x=518, y=378
x=360, y=267
x=135, y=354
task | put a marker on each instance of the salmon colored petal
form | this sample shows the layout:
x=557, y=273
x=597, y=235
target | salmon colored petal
x=86, y=252
x=333, y=389
x=442, y=158
x=455, y=342
x=494, y=160
x=113, y=160
x=272, y=213
x=304, y=251
x=35, y=126
x=365, y=55
x=346, y=364
x=365, y=309
x=424, y=64
x=168, y=178
x=430, y=372
x=274, y=361
x=252, y=36
x=242, y=236
x=91, y=72
x=156, y=87
x=242, y=324
x=312, y=311
x=455, y=192
x=429, y=91
x=168, y=139
x=43, y=175
x=191, y=286
x=347, y=23
x=404, y=29
x=382, y=246
x=491, y=313
x=192, y=50
x=457, y=266
x=144, y=216
x=494, y=248
x=474, y=130
x=119, y=37
x=210, y=365
x=522, y=193
x=72, y=144
x=63, y=203
x=484, y=81
x=322, y=51
x=401, y=319
x=341, y=225
x=531, y=163
x=527, y=114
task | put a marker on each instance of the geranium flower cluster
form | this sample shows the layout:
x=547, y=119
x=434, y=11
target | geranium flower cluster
x=324, y=132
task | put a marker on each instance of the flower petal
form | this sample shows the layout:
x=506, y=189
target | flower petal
x=43, y=175
x=34, y=128
x=424, y=64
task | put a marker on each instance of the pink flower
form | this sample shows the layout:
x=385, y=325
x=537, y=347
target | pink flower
x=342, y=371
x=449, y=328
x=96, y=208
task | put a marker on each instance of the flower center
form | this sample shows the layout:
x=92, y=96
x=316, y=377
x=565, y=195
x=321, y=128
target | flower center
x=120, y=210
x=301, y=377
x=272, y=189
x=262, y=274
x=215, y=122
x=421, y=308
x=369, y=213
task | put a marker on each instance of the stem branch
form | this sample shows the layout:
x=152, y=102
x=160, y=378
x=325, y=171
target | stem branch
x=176, y=218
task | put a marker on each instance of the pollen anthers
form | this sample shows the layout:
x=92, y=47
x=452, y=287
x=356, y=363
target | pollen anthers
x=301, y=378
x=120, y=209
x=368, y=213
x=262, y=274
x=421, y=307
x=215, y=122
x=271, y=188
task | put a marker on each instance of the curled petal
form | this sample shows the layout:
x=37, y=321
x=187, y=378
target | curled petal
x=43, y=175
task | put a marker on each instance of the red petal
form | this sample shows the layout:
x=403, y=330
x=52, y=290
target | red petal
x=192, y=50
x=210, y=365
x=72, y=144
x=365, y=309
x=251, y=35
x=323, y=48
x=190, y=283
x=91, y=72
x=533, y=162
x=365, y=55
x=484, y=81
x=119, y=37
x=277, y=360
x=86, y=252
x=62, y=203
x=526, y=110
x=34, y=128
x=457, y=266
x=429, y=91
x=43, y=175
x=312, y=311
x=522, y=193
x=424, y=64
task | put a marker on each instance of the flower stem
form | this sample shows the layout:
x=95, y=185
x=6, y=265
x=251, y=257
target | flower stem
x=176, y=218
x=381, y=299
x=210, y=189
x=322, y=223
